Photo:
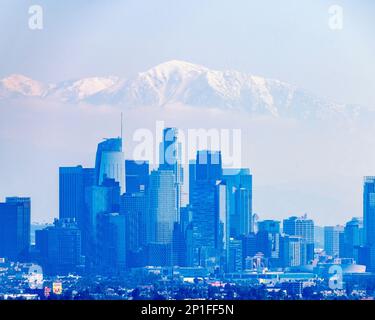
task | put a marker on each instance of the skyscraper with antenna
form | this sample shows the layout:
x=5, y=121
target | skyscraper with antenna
x=110, y=162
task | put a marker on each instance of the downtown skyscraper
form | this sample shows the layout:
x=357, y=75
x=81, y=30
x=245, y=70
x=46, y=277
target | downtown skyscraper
x=369, y=222
x=110, y=162
x=15, y=214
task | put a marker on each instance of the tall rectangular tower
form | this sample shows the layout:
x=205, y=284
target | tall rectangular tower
x=15, y=216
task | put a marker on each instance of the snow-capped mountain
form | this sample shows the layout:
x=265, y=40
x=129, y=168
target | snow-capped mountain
x=82, y=89
x=19, y=85
x=189, y=84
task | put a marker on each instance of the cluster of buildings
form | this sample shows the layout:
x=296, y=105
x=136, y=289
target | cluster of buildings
x=120, y=216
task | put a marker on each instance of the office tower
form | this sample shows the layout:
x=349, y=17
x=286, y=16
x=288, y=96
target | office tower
x=209, y=206
x=369, y=222
x=15, y=228
x=72, y=184
x=332, y=240
x=110, y=162
x=318, y=237
x=163, y=209
x=303, y=227
x=137, y=176
x=235, y=258
x=134, y=207
x=98, y=199
x=352, y=239
x=170, y=160
x=179, y=250
x=208, y=166
x=268, y=240
x=292, y=251
x=59, y=248
x=181, y=244
x=111, y=244
x=239, y=184
x=249, y=247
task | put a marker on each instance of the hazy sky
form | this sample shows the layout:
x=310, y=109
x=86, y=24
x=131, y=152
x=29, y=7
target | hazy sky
x=288, y=40
x=296, y=169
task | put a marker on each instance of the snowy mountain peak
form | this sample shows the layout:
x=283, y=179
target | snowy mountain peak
x=173, y=66
x=185, y=83
x=20, y=84
x=81, y=89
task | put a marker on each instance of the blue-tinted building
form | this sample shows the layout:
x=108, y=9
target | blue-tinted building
x=110, y=162
x=60, y=248
x=137, y=176
x=333, y=240
x=235, y=256
x=135, y=208
x=369, y=222
x=98, y=199
x=292, y=251
x=111, y=244
x=268, y=240
x=15, y=228
x=170, y=160
x=353, y=239
x=210, y=218
x=163, y=207
x=303, y=227
x=239, y=185
x=72, y=184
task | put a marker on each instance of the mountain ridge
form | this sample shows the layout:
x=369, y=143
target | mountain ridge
x=189, y=84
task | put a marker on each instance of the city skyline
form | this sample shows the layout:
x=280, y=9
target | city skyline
x=185, y=167
x=119, y=219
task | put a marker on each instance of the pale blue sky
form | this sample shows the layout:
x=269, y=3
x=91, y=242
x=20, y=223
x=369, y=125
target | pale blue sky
x=316, y=170
x=289, y=40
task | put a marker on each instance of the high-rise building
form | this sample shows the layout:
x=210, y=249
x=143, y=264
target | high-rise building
x=208, y=166
x=249, y=247
x=332, y=240
x=369, y=210
x=268, y=240
x=59, y=247
x=98, y=199
x=15, y=228
x=303, y=227
x=353, y=239
x=239, y=187
x=72, y=184
x=137, y=176
x=182, y=247
x=209, y=207
x=235, y=258
x=170, y=160
x=110, y=162
x=134, y=207
x=163, y=208
x=292, y=251
x=111, y=243
x=369, y=222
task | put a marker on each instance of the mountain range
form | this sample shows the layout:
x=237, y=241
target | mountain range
x=179, y=82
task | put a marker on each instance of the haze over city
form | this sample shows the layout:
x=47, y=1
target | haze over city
x=310, y=162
